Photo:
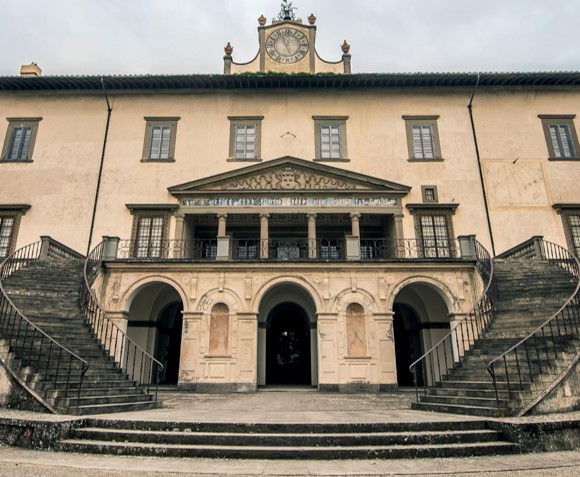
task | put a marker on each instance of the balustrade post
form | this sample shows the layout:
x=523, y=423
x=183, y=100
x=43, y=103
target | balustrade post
x=264, y=235
x=223, y=241
x=44, y=247
x=353, y=240
x=538, y=248
x=110, y=247
x=467, y=247
x=311, y=235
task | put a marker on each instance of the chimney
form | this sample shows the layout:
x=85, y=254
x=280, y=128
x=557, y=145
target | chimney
x=30, y=71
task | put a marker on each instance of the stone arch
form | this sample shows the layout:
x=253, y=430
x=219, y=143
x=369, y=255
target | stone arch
x=154, y=310
x=136, y=287
x=287, y=333
x=422, y=311
x=227, y=296
x=265, y=288
x=440, y=287
x=347, y=296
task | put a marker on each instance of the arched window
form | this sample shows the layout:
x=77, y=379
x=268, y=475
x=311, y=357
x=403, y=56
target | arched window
x=219, y=330
x=356, y=330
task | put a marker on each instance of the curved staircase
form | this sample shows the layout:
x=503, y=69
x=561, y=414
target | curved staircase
x=50, y=347
x=527, y=344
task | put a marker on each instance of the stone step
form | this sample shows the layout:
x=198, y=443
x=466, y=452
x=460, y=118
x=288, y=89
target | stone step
x=105, y=399
x=288, y=452
x=141, y=405
x=281, y=439
x=460, y=409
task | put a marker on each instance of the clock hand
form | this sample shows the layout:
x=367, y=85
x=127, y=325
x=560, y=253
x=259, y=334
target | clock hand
x=285, y=40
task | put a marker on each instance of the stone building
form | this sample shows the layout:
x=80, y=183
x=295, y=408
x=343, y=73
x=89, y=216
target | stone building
x=289, y=222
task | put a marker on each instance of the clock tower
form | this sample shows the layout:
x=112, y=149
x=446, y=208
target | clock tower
x=287, y=46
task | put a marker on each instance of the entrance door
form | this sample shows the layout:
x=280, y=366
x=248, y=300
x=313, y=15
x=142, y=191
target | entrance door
x=169, y=342
x=407, y=344
x=288, y=346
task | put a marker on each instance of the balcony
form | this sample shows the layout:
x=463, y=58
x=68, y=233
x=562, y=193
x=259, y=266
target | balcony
x=289, y=250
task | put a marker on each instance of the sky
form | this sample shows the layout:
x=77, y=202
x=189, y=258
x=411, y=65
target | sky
x=126, y=37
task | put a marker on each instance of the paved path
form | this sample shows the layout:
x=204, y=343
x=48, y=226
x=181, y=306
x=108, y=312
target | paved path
x=280, y=407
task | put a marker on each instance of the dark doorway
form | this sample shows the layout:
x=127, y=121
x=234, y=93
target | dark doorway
x=288, y=346
x=169, y=342
x=406, y=327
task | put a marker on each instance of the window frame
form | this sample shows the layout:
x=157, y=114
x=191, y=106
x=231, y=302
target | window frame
x=566, y=120
x=431, y=122
x=419, y=211
x=330, y=121
x=142, y=211
x=424, y=190
x=13, y=124
x=567, y=211
x=236, y=121
x=153, y=122
x=14, y=212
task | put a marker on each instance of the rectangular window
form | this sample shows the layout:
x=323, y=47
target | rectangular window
x=574, y=230
x=330, y=142
x=6, y=233
x=561, y=137
x=20, y=139
x=423, y=142
x=435, y=237
x=429, y=193
x=160, y=136
x=422, y=138
x=245, y=137
x=149, y=236
x=330, y=138
x=245, y=147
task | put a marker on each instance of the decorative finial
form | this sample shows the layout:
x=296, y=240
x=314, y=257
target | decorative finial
x=345, y=47
x=312, y=19
x=286, y=12
x=262, y=20
x=229, y=49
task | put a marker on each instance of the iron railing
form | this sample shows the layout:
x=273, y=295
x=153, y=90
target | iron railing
x=450, y=350
x=286, y=249
x=134, y=360
x=36, y=354
x=541, y=349
x=408, y=249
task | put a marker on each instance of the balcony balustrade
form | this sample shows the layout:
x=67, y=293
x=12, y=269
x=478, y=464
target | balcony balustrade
x=287, y=250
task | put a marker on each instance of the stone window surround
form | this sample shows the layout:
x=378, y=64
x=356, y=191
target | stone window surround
x=565, y=211
x=15, y=211
x=434, y=209
x=152, y=121
x=411, y=121
x=245, y=121
x=568, y=120
x=139, y=211
x=339, y=121
x=17, y=122
x=424, y=190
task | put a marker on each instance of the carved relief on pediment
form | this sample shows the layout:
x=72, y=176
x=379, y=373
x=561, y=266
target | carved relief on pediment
x=289, y=178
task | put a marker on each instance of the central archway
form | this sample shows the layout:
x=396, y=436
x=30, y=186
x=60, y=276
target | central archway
x=287, y=344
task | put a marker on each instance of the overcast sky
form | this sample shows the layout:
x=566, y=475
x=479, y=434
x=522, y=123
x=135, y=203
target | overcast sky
x=87, y=37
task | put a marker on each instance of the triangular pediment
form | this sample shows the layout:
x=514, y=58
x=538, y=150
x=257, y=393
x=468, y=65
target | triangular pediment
x=289, y=174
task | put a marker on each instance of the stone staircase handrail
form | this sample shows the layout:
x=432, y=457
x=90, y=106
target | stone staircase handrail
x=14, y=324
x=123, y=349
x=557, y=255
x=450, y=349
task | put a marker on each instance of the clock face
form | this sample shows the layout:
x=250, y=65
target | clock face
x=287, y=45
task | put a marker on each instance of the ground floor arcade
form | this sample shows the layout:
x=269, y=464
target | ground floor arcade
x=236, y=326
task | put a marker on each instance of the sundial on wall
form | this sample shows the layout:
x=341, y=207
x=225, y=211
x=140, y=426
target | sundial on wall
x=516, y=183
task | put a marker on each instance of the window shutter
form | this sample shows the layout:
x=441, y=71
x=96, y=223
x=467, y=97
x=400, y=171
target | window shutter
x=19, y=143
